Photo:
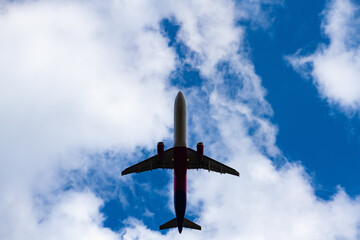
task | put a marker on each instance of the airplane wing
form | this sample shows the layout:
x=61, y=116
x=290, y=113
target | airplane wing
x=152, y=163
x=208, y=163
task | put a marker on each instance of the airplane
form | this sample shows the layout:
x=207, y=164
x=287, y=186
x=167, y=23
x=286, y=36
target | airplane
x=180, y=158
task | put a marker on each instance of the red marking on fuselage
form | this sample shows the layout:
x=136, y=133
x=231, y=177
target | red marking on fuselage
x=180, y=168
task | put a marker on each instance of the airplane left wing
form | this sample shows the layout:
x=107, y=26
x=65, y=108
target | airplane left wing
x=152, y=163
x=208, y=164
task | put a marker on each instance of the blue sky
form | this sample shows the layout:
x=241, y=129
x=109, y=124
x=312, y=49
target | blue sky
x=87, y=89
x=319, y=135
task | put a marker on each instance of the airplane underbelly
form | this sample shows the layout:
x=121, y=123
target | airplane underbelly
x=180, y=206
x=180, y=156
x=180, y=167
x=180, y=121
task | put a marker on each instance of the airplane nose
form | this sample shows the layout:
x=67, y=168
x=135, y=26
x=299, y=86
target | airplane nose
x=180, y=229
x=180, y=94
x=180, y=99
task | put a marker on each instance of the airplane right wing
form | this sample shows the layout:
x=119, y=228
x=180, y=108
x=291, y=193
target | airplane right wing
x=208, y=163
x=152, y=163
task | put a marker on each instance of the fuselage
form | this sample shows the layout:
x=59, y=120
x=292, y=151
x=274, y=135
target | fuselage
x=180, y=158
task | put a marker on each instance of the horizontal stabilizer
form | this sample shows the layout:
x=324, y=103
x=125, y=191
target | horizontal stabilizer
x=170, y=224
x=173, y=224
x=190, y=224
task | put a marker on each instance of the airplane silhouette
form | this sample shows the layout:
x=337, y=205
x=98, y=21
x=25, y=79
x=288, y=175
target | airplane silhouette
x=180, y=158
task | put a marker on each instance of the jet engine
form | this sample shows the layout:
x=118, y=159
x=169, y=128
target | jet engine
x=160, y=151
x=200, y=151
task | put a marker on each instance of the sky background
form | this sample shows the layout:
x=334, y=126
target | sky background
x=87, y=89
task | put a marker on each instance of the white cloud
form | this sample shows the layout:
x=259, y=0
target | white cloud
x=336, y=66
x=74, y=82
x=74, y=216
x=79, y=78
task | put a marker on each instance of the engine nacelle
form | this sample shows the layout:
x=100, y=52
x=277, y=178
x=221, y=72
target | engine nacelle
x=200, y=151
x=160, y=153
x=160, y=149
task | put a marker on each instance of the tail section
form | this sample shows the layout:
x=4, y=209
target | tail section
x=170, y=224
x=190, y=224
x=173, y=224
